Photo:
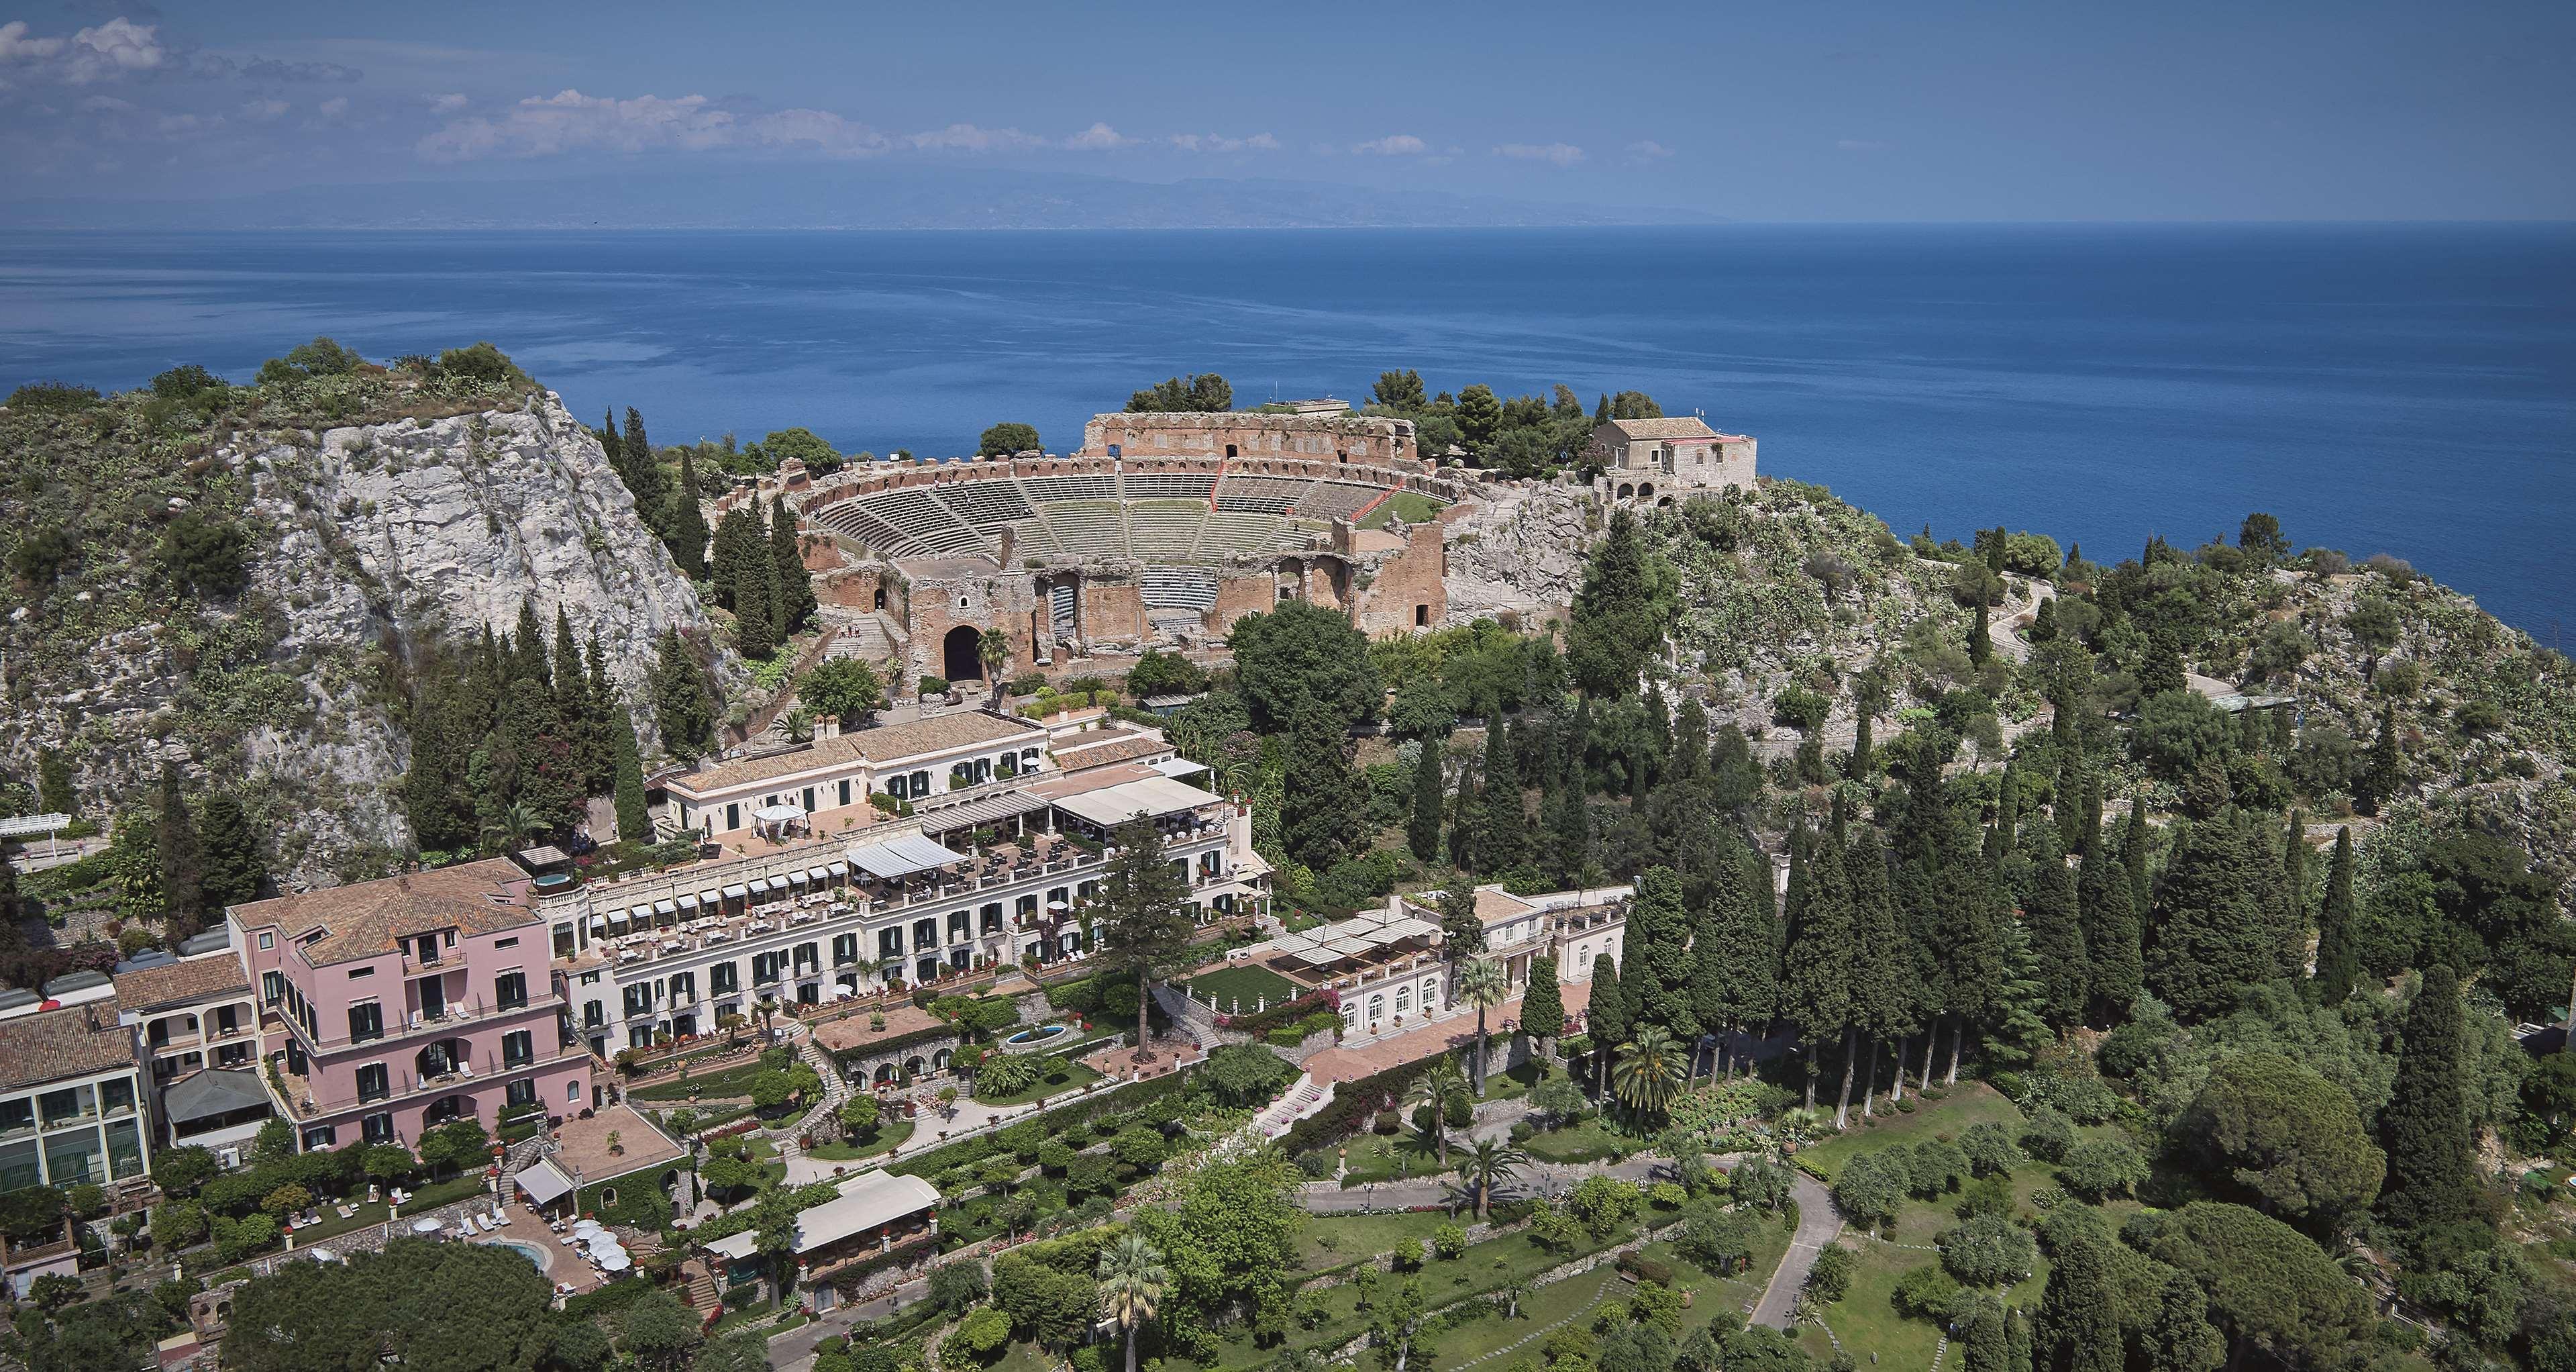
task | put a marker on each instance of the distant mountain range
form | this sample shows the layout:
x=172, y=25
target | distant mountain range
x=833, y=197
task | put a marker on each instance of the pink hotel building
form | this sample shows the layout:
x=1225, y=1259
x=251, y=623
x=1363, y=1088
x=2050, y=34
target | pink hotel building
x=411, y=1001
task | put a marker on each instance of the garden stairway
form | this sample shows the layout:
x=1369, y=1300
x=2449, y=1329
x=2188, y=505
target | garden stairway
x=836, y=1088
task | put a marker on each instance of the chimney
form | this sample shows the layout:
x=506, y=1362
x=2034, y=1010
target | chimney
x=826, y=726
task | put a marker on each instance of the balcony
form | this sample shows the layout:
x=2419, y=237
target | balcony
x=417, y=1023
x=299, y=1100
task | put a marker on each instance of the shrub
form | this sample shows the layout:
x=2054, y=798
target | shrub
x=1830, y=1279
x=2046, y=1135
x=1449, y=1240
x=1989, y=1149
x=52, y=397
x=1644, y=1268
x=933, y=686
x=1926, y=1292
x=2102, y=1169
x=1988, y=1250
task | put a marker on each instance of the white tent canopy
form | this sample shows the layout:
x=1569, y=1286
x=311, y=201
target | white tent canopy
x=1152, y=797
x=779, y=814
x=901, y=856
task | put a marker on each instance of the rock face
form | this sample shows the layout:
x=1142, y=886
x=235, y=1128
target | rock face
x=1522, y=551
x=373, y=541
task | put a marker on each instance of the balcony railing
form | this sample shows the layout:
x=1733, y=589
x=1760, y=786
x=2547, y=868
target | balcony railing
x=403, y=1083
x=418, y=1022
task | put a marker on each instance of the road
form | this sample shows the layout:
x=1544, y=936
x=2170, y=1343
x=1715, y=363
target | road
x=1817, y=1225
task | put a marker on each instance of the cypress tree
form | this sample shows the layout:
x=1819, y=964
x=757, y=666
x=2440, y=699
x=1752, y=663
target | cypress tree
x=2056, y=931
x=1503, y=837
x=1884, y=995
x=2077, y=1328
x=2133, y=856
x=2115, y=961
x=610, y=444
x=2180, y=1338
x=2017, y=1350
x=1422, y=827
x=2385, y=772
x=1822, y=951
x=1863, y=754
x=1736, y=980
x=687, y=538
x=2212, y=929
x=634, y=821
x=793, y=600
x=528, y=648
x=755, y=625
x=1605, y=1018
x=182, y=859
x=1568, y=819
x=2338, y=941
x=1658, y=952
x=642, y=474
x=435, y=795
x=1983, y=1339
x=1659, y=735
x=2291, y=922
x=680, y=704
x=1542, y=1004
x=2425, y=1126
x=737, y=536
x=1462, y=823
x=601, y=761
x=1689, y=758
x=581, y=725
x=234, y=869
x=1981, y=648
x=2067, y=807
x=1318, y=823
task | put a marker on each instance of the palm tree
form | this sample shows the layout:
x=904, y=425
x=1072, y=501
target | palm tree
x=1646, y=1076
x=1482, y=984
x=516, y=823
x=993, y=649
x=1435, y=1089
x=1486, y=1164
x=1132, y=1280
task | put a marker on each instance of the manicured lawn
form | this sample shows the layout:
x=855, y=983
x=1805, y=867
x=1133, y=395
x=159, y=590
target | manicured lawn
x=1025, y=1357
x=1331, y=1240
x=1074, y=1075
x=436, y=1194
x=1540, y=1308
x=1384, y=1157
x=1967, y=1103
x=1243, y=983
x=1584, y=1141
x=1511, y=1085
x=888, y=1137
x=1412, y=507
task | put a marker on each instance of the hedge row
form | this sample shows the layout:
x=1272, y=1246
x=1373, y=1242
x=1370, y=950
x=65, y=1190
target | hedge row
x=1055, y=1123
x=1354, y=1102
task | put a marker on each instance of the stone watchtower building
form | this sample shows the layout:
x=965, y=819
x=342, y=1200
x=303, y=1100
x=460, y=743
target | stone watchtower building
x=1661, y=460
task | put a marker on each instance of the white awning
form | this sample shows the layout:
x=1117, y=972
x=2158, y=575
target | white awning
x=736, y=892
x=543, y=1181
x=664, y=907
x=1178, y=767
x=599, y=921
x=779, y=814
x=981, y=811
x=838, y=869
x=759, y=885
x=815, y=876
x=901, y=856
x=1410, y=928
x=1316, y=957
x=1152, y=798
x=688, y=901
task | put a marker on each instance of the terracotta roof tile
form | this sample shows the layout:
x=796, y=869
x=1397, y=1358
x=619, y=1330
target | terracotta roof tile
x=179, y=983
x=1686, y=426
x=365, y=919
x=1114, y=747
x=74, y=1041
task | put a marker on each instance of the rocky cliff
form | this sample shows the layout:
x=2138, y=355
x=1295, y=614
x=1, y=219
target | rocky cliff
x=365, y=543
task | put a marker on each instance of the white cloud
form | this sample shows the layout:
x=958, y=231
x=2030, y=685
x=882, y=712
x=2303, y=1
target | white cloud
x=1393, y=145
x=1554, y=154
x=334, y=107
x=570, y=121
x=447, y=104
x=102, y=104
x=970, y=138
x=1648, y=150
x=1217, y=142
x=102, y=52
x=263, y=110
x=1098, y=138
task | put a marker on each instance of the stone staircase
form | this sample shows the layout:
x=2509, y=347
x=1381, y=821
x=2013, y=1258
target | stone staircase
x=836, y=1090
x=1303, y=1098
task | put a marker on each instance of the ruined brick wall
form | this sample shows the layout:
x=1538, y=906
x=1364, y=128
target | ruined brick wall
x=1248, y=591
x=947, y=599
x=1113, y=608
x=1408, y=590
x=1240, y=434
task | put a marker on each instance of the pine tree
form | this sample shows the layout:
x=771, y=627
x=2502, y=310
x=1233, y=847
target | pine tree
x=1822, y=951
x=634, y=820
x=1503, y=837
x=1422, y=827
x=2077, y=1328
x=1605, y=1018
x=2338, y=941
x=2056, y=929
x=528, y=649
x=642, y=473
x=793, y=605
x=2180, y=1338
x=578, y=714
x=2213, y=935
x=1981, y=647
x=1658, y=956
x=2115, y=961
x=680, y=702
x=2067, y=808
x=2425, y=1127
x=182, y=859
x=234, y=868
x=687, y=526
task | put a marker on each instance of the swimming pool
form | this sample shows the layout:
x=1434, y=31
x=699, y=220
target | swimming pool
x=530, y=1251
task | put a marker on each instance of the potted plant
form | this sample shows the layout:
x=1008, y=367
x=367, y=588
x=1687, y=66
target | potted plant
x=616, y=1142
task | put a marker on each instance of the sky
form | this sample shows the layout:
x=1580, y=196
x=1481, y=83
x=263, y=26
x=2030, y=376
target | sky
x=1867, y=110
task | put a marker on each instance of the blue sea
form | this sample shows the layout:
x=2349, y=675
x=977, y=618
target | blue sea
x=2408, y=389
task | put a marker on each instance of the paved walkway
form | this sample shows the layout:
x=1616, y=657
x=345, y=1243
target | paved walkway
x=1818, y=1223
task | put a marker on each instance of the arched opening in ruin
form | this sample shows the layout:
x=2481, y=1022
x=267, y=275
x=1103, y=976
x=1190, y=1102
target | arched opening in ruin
x=1627, y=491
x=958, y=651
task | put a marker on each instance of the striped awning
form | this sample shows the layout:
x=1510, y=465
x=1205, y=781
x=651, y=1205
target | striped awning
x=980, y=811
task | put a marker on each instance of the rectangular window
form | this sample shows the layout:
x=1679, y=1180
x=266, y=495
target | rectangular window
x=845, y=790
x=517, y=1049
x=356, y=973
x=845, y=950
x=366, y=1021
x=733, y=816
x=321, y=1136
x=724, y=977
x=377, y=1128
x=522, y=1092
x=510, y=990
x=70, y=1103
x=267, y=941
x=375, y=1082
x=116, y=1097
x=75, y=1157
x=272, y=987
x=594, y=1015
x=809, y=800
x=17, y=1115
x=889, y=944
x=510, y=942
